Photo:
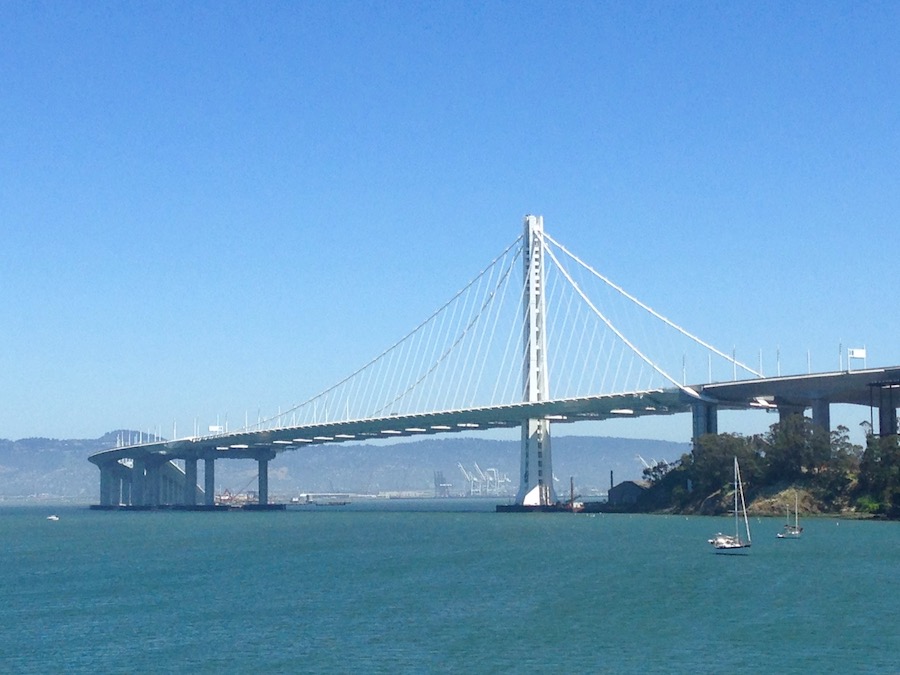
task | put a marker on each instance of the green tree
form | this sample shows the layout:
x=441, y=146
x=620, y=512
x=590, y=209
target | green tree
x=793, y=448
x=710, y=465
x=879, y=475
x=835, y=476
x=654, y=474
x=845, y=455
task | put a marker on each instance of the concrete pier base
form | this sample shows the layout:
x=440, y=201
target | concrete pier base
x=821, y=414
x=705, y=418
x=263, y=463
x=209, y=481
x=190, y=482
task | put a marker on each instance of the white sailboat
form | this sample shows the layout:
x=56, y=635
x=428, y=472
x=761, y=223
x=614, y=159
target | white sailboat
x=792, y=531
x=732, y=543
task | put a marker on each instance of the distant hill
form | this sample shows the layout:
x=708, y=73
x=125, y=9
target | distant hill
x=48, y=468
x=42, y=468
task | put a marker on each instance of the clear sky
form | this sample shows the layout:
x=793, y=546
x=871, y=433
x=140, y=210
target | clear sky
x=213, y=208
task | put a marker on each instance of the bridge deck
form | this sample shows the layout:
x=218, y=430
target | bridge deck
x=853, y=387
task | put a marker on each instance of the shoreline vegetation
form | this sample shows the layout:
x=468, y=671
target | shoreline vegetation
x=828, y=475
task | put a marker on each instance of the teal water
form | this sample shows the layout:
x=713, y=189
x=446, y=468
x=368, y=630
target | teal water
x=430, y=586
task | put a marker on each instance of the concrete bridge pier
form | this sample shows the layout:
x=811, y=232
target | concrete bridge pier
x=152, y=484
x=887, y=421
x=263, y=464
x=138, y=483
x=887, y=412
x=172, y=487
x=785, y=410
x=110, y=485
x=536, y=480
x=190, y=482
x=705, y=418
x=821, y=414
x=209, y=481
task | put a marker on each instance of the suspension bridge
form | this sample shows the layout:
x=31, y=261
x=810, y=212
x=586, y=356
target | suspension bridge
x=537, y=338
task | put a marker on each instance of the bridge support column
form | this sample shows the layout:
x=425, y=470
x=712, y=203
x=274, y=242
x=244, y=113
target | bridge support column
x=887, y=413
x=536, y=480
x=705, y=418
x=139, y=483
x=190, y=481
x=209, y=481
x=785, y=410
x=109, y=486
x=152, y=485
x=821, y=414
x=115, y=497
x=263, y=463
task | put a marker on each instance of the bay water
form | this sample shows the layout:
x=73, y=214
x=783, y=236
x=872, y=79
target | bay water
x=440, y=586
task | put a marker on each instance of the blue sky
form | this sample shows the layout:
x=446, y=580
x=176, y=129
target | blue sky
x=214, y=208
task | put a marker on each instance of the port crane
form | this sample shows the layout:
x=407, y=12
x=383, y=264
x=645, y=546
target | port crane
x=483, y=483
x=473, y=486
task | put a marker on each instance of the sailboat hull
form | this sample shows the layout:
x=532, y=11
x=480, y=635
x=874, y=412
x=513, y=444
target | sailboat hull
x=727, y=543
x=792, y=531
x=732, y=543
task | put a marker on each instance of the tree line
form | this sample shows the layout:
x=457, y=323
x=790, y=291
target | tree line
x=839, y=475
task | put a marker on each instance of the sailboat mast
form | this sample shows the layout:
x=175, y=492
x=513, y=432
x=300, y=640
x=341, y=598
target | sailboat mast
x=737, y=532
x=737, y=472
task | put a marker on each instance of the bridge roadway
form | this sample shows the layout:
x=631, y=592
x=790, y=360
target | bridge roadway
x=153, y=480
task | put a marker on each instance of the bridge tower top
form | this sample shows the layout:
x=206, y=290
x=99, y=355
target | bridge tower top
x=537, y=380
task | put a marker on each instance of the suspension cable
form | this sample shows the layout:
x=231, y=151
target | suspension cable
x=649, y=309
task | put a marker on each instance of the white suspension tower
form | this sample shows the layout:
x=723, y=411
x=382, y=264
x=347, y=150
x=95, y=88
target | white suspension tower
x=536, y=469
